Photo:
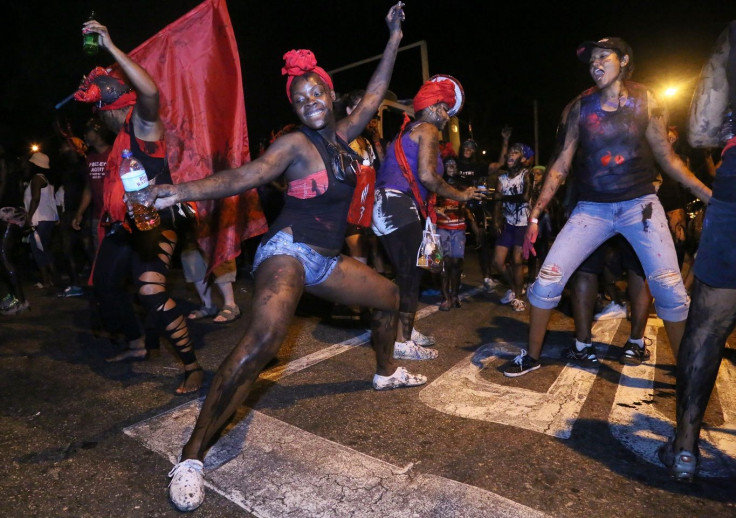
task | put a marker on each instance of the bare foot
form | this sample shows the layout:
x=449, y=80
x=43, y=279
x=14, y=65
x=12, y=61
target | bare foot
x=193, y=380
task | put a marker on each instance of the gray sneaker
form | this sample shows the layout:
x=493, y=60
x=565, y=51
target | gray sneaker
x=400, y=378
x=410, y=351
x=186, y=489
x=420, y=339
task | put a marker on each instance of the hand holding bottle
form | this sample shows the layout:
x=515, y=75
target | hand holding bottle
x=95, y=27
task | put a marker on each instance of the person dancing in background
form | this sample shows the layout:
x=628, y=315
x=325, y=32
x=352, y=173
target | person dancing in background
x=410, y=174
x=615, y=132
x=133, y=114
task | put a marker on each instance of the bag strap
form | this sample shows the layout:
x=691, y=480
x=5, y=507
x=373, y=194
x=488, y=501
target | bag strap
x=428, y=211
x=323, y=146
x=320, y=144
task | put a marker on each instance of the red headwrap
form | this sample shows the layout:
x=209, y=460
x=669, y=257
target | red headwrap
x=116, y=93
x=300, y=62
x=433, y=92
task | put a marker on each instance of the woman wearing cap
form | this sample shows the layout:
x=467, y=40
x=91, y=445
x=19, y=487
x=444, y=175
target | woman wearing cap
x=616, y=134
x=144, y=256
x=408, y=178
x=301, y=251
x=42, y=216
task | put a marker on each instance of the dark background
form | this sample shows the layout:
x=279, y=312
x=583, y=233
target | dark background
x=505, y=54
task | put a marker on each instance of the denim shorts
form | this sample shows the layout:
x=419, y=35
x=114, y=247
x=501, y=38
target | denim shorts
x=453, y=243
x=316, y=266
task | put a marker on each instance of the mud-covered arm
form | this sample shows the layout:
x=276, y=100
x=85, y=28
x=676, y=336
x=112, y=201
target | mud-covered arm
x=429, y=150
x=354, y=124
x=148, y=125
x=711, y=98
x=567, y=144
x=665, y=156
x=279, y=156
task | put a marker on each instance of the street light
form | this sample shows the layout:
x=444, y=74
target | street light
x=35, y=148
x=670, y=91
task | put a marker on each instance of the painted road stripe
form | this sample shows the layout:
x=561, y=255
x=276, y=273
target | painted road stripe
x=639, y=426
x=310, y=360
x=463, y=391
x=273, y=469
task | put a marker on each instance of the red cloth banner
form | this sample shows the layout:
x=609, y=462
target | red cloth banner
x=196, y=65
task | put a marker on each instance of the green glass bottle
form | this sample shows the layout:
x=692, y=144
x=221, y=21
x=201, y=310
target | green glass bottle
x=90, y=43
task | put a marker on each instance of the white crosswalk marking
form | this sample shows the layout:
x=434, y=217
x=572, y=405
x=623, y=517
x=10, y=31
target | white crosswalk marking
x=639, y=426
x=464, y=392
x=273, y=469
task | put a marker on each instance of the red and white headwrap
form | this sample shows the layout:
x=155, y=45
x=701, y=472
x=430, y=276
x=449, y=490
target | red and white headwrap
x=440, y=89
x=300, y=62
x=105, y=88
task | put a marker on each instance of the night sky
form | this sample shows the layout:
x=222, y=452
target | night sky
x=505, y=54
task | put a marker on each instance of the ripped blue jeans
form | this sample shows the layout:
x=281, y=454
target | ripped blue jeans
x=643, y=223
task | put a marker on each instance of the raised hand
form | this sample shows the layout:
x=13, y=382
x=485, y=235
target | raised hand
x=395, y=16
x=96, y=27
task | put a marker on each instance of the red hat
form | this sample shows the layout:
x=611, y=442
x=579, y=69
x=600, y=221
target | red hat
x=106, y=89
x=300, y=62
x=440, y=88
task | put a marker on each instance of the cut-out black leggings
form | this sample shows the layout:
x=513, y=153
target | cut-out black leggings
x=144, y=256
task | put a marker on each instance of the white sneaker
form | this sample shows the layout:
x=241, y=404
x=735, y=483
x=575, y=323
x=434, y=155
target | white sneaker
x=611, y=312
x=186, y=489
x=420, y=339
x=489, y=283
x=518, y=305
x=410, y=351
x=400, y=378
x=510, y=295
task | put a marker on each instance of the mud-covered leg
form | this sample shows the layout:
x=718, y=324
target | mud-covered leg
x=711, y=319
x=279, y=284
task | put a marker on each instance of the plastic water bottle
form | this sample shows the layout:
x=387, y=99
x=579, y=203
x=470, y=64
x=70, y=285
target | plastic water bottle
x=135, y=182
x=90, y=40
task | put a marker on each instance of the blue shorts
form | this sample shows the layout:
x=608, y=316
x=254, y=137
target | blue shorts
x=453, y=243
x=511, y=236
x=316, y=266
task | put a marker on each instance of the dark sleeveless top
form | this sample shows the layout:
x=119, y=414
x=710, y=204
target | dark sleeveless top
x=614, y=161
x=152, y=156
x=319, y=221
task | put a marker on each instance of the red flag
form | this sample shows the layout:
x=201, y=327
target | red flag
x=196, y=66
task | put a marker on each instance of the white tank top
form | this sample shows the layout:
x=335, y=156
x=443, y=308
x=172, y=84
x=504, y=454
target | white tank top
x=516, y=214
x=46, y=210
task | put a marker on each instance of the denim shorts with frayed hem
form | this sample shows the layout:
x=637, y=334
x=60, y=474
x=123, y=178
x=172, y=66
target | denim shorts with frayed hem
x=316, y=266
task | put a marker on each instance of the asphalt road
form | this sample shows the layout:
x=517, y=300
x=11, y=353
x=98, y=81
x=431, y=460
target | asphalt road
x=81, y=437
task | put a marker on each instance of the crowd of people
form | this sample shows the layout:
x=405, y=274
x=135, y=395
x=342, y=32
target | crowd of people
x=620, y=217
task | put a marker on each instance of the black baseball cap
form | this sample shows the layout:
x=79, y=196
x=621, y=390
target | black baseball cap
x=613, y=43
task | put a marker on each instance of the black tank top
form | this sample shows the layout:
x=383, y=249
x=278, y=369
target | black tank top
x=614, y=161
x=157, y=167
x=320, y=221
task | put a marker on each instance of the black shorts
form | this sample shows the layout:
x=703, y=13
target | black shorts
x=616, y=254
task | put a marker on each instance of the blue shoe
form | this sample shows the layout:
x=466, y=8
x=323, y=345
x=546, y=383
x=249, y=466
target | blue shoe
x=72, y=291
